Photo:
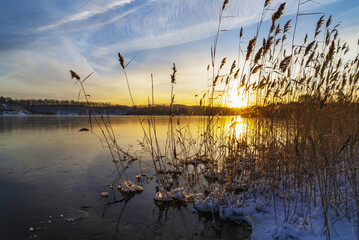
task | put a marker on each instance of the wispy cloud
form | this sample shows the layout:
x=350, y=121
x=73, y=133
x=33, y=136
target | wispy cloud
x=83, y=15
x=133, y=25
x=163, y=23
x=85, y=35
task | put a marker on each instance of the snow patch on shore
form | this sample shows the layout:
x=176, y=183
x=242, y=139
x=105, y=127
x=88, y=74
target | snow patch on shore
x=268, y=220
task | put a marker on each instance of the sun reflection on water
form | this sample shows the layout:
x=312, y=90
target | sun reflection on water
x=237, y=127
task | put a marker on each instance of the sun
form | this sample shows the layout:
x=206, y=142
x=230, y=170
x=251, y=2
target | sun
x=236, y=100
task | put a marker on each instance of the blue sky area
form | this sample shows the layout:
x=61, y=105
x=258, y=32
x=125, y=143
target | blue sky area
x=41, y=40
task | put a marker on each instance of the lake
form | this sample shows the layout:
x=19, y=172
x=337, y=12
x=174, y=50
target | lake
x=51, y=177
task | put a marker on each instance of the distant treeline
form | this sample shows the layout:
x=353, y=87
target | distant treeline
x=304, y=104
x=52, y=102
x=63, y=107
x=71, y=107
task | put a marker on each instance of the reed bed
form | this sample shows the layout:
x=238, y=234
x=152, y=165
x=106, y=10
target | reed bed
x=297, y=152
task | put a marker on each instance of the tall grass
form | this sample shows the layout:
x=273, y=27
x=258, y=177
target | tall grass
x=299, y=152
x=311, y=93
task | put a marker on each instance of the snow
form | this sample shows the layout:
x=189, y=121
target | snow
x=267, y=223
x=179, y=194
x=104, y=194
x=175, y=170
x=129, y=187
x=14, y=113
x=265, y=227
x=7, y=110
x=162, y=195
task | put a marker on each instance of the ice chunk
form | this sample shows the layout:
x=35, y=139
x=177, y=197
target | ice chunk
x=104, y=194
x=129, y=187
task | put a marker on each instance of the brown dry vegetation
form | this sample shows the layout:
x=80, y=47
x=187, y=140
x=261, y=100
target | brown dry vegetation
x=302, y=147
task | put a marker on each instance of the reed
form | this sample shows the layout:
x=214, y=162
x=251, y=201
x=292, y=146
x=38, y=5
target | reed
x=299, y=148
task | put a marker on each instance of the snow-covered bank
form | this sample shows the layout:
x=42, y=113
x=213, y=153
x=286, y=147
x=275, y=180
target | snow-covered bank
x=267, y=217
x=261, y=216
x=7, y=110
x=14, y=110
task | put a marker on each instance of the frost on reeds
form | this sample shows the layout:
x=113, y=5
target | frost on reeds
x=175, y=170
x=178, y=194
x=212, y=202
x=129, y=187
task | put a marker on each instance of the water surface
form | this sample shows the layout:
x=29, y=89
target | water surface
x=51, y=177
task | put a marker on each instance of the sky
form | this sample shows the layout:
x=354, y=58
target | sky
x=41, y=40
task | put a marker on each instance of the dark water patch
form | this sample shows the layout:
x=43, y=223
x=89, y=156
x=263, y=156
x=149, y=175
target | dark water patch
x=51, y=177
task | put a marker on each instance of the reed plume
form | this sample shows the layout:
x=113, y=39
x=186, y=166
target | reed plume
x=121, y=60
x=250, y=47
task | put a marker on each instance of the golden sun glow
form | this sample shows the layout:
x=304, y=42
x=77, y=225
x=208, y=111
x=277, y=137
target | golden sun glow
x=237, y=126
x=236, y=100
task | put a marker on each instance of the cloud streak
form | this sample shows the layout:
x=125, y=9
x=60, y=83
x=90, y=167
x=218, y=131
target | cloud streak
x=132, y=25
x=161, y=23
x=85, y=35
x=84, y=15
